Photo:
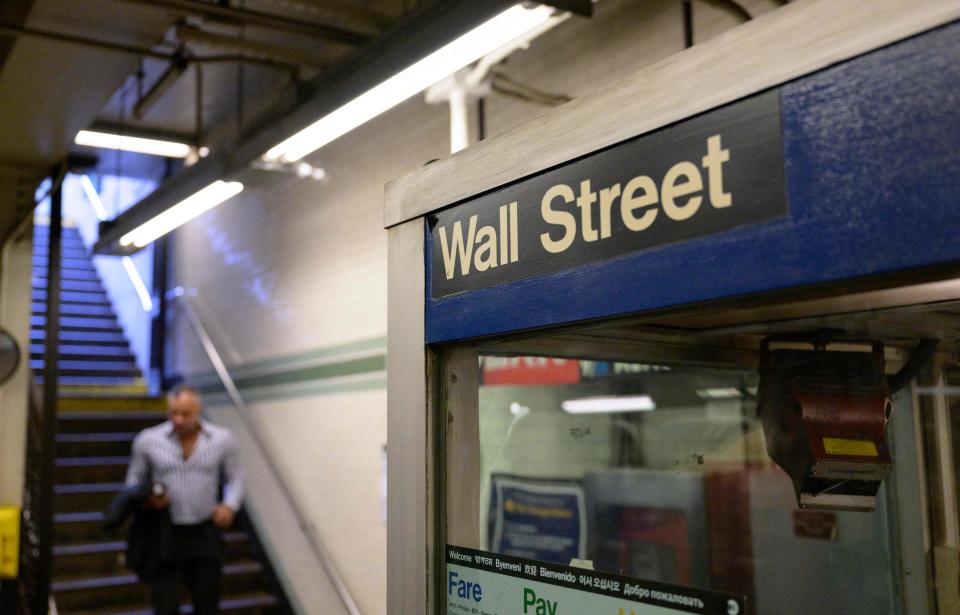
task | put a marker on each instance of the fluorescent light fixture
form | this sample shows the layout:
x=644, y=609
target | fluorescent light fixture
x=519, y=410
x=181, y=213
x=156, y=147
x=720, y=393
x=132, y=272
x=592, y=405
x=93, y=197
x=484, y=39
x=145, y=301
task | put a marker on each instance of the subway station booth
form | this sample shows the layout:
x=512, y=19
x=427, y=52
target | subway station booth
x=689, y=344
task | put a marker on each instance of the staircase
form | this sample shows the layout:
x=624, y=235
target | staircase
x=101, y=407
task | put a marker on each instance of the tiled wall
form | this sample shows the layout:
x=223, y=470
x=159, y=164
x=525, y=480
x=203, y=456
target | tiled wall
x=290, y=277
x=16, y=268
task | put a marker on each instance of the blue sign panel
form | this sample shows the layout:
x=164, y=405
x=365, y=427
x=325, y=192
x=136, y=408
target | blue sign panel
x=537, y=519
x=871, y=158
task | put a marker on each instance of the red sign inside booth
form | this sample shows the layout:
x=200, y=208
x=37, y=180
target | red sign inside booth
x=529, y=370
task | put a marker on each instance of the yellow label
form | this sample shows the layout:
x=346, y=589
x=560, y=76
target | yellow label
x=843, y=446
x=9, y=541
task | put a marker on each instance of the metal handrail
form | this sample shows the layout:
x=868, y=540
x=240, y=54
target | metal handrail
x=244, y=412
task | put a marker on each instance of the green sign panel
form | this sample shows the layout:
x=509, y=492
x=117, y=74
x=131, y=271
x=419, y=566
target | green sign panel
x=482, y=583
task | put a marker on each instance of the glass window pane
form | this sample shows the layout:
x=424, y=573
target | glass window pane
x=660, y=471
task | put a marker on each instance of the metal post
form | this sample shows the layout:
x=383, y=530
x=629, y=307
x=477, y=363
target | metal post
x=45, y=561
x=459, y=119
x=158, y=324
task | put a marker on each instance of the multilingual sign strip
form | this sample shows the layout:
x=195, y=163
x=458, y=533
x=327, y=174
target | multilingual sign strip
x=712, y=173
x=483, y=583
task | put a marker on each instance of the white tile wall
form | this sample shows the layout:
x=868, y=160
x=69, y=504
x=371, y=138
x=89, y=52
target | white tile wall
x=293, y=265
x=16, y=269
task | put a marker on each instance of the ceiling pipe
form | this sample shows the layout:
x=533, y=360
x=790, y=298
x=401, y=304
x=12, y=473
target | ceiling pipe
x=421, y=32
x=733, y=7
x=11, y=30
x=262, y=20
x=248, y=47
x=146, y=133
x=344, y=11
x=144, y=52
x=178, y=64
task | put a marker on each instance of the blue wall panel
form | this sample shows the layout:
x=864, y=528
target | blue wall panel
x=872, y=157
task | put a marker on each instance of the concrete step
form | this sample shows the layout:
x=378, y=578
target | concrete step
x=91, y=469
x=94, y=444
x=66, y=262
x=69, y=274
x=66, y=230
x=247, y=603
x=77, y=352
x=135, y=388
x=102, y=592
x=72, y=246
x=93, y=321
x=97, y=382
x=111, y=402
x=106, y=558
x=71, y=251
x=92, y=368
x=42, y=238
x=41, y=235
x=81, y=337
x=84, y=497
x=102, y=310
x=97, y=422
x=79, y=323
x=92, y=286
x=68, y=296
x=77, y=527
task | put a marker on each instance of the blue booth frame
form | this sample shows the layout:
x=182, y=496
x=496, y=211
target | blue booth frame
x=871, y=149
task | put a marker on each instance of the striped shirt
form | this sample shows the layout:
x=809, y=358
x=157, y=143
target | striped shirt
x=193, y=484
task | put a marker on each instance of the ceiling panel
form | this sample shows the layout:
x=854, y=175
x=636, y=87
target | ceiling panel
x=50, y=90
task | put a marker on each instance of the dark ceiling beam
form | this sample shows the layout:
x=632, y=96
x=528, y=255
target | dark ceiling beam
x=142, y=131
x=371, y=18
x=262, y=20
x=14, y=30
x=427, y=28
x=160, y=87
x=249, y=47
x=13, y=12
x=145, y=52
x=733, y=7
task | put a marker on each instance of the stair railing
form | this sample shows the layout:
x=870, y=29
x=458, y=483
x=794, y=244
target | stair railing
x=36, y=535
x=213, y=355
x=33, y=582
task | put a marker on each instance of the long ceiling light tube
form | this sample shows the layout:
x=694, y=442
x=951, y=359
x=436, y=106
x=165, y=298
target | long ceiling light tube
x=484, y=39
x=181, y=213
x=141, y=145
x=593, y=405
x=136, y=280
x=93, y=197
x=146, y=302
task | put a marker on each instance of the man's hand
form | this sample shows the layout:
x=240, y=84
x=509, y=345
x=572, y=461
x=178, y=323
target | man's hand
x=223, y=516
x=157, y=502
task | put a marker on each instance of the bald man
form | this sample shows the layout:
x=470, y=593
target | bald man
x=185, y=459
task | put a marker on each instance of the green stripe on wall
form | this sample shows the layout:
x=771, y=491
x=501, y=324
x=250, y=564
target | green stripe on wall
x=288, y=377
x=319, y=372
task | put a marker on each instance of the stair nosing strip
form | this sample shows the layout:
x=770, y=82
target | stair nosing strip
x=131, y=579
x=89, y=547
x=104, y=461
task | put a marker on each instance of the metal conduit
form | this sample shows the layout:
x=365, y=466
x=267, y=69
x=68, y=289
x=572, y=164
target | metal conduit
x=63, y=37
x=250, y=422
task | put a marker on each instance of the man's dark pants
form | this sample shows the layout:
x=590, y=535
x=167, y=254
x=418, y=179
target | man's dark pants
x=196, y=563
